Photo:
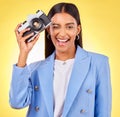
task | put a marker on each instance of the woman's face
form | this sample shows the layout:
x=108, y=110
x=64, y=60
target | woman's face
x=63, y=32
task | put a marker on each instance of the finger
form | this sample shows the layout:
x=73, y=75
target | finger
x=36, y=38
x=23, y=31
x=27, y=36
x=16, y=29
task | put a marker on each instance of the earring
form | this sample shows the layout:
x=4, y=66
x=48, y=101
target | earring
x=77, y=37
x=48, y=36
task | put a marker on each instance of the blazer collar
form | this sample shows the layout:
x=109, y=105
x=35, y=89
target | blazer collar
x=45, y=72
x=78, y=75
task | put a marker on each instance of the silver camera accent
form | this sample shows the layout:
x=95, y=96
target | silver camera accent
x=36, y=22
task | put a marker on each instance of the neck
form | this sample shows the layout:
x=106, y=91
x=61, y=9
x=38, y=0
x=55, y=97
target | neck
x=65, y=55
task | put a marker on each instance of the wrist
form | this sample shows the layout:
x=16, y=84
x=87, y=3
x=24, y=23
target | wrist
x=22, y=60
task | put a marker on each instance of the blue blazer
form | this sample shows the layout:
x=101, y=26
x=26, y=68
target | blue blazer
x=88, y=93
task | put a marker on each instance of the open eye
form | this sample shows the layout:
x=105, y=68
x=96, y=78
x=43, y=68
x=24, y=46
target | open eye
x=70, y=26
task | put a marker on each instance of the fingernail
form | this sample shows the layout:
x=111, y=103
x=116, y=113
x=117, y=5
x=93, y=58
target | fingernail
x=28, y=29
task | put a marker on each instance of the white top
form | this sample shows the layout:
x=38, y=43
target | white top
x=62, y=73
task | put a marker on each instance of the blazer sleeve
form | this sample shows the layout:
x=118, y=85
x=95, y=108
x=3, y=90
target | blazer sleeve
x=21, y=87
x=103, y=90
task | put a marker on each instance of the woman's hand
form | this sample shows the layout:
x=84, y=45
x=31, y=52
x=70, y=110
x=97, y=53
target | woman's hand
x=23, y=46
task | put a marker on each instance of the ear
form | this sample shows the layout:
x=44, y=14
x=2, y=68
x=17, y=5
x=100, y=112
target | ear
x=48, y=30
x=78, y=29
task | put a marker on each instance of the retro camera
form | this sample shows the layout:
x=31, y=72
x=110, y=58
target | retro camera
x=36, y=22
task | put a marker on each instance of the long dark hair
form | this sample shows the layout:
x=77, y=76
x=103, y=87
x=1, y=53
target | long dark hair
x=58, y=8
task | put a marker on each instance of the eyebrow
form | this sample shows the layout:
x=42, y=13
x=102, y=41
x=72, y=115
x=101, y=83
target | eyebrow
x=71, y=23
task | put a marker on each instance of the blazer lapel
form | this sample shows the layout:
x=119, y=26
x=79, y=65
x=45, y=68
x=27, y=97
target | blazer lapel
x=46, y=82
x=79, y=72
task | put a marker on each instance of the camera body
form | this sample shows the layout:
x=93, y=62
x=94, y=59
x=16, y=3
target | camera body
x=36, y=22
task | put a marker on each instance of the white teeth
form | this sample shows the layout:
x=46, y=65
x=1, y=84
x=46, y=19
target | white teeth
x=61, y=40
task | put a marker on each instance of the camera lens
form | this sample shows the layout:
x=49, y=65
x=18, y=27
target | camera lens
x=36, y=24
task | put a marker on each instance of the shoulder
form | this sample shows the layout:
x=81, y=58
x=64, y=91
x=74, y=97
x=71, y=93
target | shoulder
x=33, y=66
x=98, y=60
x=42, y=63
x=97, y=56
x=99, y=63
x=82, y=53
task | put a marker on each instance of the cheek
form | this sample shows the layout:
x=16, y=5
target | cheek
x=52, y=35
x=73, y=35
x=53, y=32
x=73, y=38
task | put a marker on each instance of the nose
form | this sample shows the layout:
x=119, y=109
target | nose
x=62, y=32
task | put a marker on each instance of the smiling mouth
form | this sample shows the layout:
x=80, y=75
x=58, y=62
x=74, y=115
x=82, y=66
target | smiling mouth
x=63, y=40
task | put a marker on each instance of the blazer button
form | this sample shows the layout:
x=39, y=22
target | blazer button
x=36, y=88
x=89, y=91
x=82, y=111
x=37, y=108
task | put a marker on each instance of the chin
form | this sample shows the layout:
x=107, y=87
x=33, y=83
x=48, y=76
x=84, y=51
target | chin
x=62, y=49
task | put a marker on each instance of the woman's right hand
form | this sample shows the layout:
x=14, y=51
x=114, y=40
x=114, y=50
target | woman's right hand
x=23, y=46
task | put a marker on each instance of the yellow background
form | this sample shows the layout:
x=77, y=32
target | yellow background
x=101, y=33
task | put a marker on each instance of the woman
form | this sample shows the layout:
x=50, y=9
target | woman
x=70, y=82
